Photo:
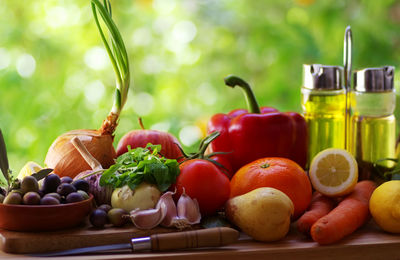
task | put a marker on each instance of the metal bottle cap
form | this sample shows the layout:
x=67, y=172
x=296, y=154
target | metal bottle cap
x=323, y=77
x=374, y=79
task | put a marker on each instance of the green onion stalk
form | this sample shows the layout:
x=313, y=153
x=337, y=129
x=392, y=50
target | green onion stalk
x=62, y=155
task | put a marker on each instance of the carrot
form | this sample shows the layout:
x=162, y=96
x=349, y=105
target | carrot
x=351, y=213
x=320, y=206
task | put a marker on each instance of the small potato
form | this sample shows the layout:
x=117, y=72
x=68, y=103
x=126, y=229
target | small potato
x=264, y=213
x=145, y=196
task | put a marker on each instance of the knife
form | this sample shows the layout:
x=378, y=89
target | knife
x=210, y=237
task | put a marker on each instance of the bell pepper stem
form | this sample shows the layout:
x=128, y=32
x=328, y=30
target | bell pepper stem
x=251, y=100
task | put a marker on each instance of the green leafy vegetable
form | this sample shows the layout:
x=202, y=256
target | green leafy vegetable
x=141, y=165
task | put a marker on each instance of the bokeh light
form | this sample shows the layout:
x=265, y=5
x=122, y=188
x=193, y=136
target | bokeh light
x=25, y=65
x=52, y=58
x=96, y=58
x=5, y=58
x=190, y=134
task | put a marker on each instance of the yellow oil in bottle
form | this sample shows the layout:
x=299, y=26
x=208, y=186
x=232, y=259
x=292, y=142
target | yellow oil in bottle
x=325, y=114
x=372, y=132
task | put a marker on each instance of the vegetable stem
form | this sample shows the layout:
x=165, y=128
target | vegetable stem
x=205, y=142
x=93, y=163
x=119, y=59
x=251, y=100
x=141, y=123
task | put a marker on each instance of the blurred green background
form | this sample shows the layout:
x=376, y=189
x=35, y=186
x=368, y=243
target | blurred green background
x=55, y=75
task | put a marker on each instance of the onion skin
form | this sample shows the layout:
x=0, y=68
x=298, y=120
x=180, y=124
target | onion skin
x=67, y=161
x=140, y=138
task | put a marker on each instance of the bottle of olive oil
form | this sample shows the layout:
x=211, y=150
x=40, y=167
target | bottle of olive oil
x=324, y=107
x=372, y=123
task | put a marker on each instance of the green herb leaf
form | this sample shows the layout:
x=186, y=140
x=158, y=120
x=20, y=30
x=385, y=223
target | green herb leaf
x=3, y=159
x=141, y=165
x=42, y=173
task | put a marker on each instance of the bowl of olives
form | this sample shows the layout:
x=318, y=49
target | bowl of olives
x=58, y=203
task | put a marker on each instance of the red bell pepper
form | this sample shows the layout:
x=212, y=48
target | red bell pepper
x=249, y=135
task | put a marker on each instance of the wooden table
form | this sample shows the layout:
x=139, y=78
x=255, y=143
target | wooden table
x=367, y=243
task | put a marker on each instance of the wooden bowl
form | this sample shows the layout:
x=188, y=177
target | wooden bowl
x=44, y=217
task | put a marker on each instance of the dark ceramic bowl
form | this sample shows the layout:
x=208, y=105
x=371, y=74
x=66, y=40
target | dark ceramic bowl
x=44, y=217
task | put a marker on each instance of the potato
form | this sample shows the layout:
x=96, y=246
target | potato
x=264, y=213
x=145, y=196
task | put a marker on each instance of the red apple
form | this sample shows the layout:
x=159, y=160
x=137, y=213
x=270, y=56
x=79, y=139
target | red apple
x=140, y=138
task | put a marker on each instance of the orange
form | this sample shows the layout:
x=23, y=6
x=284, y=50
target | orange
x=279, y=173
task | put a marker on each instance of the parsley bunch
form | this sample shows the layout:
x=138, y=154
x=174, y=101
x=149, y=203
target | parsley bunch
x=141, y=165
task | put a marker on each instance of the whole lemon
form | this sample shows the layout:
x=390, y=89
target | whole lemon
x=29, y=169
x=384, y=206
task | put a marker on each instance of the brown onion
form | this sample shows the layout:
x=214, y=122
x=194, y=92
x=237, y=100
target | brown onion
x=67, y=161
x=102, y=194
x=62, y=156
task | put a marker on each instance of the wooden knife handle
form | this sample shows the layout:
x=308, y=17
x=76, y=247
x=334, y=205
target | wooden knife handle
x=209, y=237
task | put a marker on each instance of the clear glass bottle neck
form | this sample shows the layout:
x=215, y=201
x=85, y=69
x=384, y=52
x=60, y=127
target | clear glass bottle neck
x=375, y=104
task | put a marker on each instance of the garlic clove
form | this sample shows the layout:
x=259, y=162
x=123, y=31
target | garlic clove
x=166, y=213
x=149, y=218
x=169, y=203
x=188, y=209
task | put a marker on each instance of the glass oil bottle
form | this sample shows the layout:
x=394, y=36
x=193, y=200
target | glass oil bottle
x=324, y=107
x=372, y=123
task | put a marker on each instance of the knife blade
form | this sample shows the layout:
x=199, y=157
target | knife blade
x=85, y=250
x=211, y=237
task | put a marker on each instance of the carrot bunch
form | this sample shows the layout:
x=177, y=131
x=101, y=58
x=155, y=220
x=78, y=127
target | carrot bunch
x=328, y=224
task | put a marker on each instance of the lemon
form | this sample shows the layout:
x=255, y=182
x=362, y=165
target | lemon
x=334, y=172
x=384, y=206
x=29, y=169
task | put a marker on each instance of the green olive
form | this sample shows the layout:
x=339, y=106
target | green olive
x=118, y=217
x=29, y=183
x=13, y=198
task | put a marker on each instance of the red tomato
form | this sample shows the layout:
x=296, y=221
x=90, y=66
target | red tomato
x=203, y=181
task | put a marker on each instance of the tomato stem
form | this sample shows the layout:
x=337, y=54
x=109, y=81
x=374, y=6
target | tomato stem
x=203, y=147
x=205, y=142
